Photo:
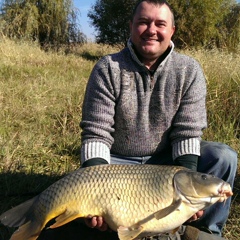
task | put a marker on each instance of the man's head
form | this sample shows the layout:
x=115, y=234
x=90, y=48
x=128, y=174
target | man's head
x=152, y=27
x=156, y=3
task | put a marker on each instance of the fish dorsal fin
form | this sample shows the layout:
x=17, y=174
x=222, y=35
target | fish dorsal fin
x=125, y=233
x=166, y=211
x=65, y=217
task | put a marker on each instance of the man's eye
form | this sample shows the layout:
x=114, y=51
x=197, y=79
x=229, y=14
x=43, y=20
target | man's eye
x=160, y=24
x=142, y=23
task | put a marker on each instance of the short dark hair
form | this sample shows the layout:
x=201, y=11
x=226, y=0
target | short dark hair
x=154, y=2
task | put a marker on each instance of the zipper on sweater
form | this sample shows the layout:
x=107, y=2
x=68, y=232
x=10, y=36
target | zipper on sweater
x=152, y=82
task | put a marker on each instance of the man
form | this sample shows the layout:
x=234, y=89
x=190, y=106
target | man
x=146, y=104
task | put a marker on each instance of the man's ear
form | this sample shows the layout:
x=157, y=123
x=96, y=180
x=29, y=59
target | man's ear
x=173, y=30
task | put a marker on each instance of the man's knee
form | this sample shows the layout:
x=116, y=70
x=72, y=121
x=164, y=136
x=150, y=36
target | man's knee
x=219, y=156
x=219, y=151
x=192, y=233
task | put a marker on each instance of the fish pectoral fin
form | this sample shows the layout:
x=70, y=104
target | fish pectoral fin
x=166, y=211
x=125, y=233
x=175, y=230
x=65, y=217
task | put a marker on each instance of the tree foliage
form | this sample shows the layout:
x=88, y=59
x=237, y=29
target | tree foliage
x=111, y=20
x=231, y=28
x=49, y=22
x=198, y=22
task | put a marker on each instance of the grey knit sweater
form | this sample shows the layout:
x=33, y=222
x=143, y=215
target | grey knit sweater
x=128, y=111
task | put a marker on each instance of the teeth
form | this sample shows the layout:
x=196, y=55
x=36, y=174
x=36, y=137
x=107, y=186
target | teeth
x=146, y=39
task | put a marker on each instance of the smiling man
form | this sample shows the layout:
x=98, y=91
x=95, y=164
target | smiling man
x=152, y=28
x=146, y=104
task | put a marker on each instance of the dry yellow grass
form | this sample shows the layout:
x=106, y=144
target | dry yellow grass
x=40, y=99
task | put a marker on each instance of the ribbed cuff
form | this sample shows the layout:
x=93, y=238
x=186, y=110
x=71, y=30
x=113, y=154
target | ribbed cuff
x=91, y=150
x=187, y=146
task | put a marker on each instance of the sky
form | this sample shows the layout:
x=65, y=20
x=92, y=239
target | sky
x=84, y=6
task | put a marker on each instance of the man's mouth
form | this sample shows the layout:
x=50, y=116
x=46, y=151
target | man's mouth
x=150, y=40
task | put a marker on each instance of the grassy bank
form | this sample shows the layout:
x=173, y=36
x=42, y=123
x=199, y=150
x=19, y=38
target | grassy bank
x=40, y=100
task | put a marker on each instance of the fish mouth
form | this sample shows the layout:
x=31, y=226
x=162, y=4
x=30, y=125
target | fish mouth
x=224, y=192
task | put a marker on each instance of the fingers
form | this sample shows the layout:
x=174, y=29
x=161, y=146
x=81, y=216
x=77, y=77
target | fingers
x=96, y=222
x=88, y=222
x=199, y=214
x=196, y=216
x=101, y=224
x=193, y=218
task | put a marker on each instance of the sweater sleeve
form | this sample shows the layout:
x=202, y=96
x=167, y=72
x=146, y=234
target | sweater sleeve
x=190, y=118
x=98, y=114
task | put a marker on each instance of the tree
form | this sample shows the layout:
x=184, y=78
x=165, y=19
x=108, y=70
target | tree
x=49, y=22
x=111, y=20
x=197, y=21
x=230, y=29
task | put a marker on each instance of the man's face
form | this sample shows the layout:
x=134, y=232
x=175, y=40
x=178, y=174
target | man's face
x=151, y=30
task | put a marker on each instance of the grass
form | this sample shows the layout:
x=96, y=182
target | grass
x=41, y=95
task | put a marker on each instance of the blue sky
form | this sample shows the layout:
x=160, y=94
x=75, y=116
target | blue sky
x=84, y=6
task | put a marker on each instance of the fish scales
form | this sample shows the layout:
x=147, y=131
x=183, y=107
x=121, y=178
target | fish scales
x=135, y=200
x=94, y=191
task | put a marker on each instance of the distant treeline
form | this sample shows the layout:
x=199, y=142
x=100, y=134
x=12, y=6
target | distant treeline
x=208, y=23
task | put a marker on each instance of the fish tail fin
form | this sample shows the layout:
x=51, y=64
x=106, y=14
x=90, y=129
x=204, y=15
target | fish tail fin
x=22, y=215
x=28, y=231
x=18, y=215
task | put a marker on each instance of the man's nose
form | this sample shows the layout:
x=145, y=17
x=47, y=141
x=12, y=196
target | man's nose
x=152, y=28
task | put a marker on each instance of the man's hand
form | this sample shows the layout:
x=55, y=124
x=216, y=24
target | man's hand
x=96, y=222
x=196, y=216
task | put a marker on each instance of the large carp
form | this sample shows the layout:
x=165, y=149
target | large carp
x=135, y=200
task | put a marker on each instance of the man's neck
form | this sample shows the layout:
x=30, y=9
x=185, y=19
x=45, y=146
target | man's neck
x=153, y=65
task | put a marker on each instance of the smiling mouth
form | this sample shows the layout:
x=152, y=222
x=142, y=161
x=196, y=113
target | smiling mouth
x=150, y=40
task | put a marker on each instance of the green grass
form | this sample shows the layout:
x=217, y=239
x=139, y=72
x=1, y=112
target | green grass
x=40, y=100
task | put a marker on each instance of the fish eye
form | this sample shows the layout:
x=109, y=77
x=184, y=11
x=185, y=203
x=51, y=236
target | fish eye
x=204, y=177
